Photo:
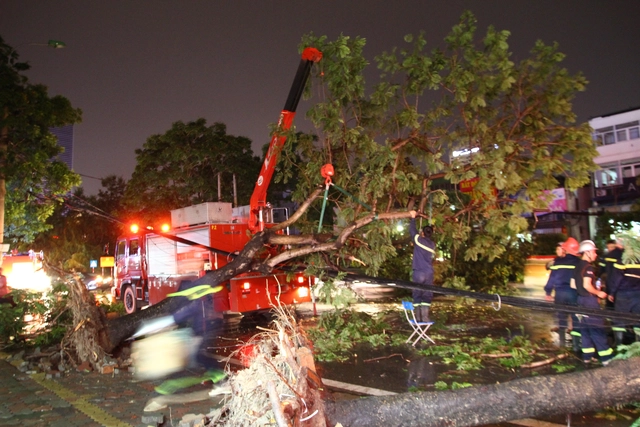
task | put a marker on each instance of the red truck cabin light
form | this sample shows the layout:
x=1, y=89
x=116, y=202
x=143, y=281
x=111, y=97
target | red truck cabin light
x=301, y=279
x=134, y=228
x=246, y=287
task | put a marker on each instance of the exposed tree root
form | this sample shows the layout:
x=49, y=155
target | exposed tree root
x=83, y=342
x=274, y=388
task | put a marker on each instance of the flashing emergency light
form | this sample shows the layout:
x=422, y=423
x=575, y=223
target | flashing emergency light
x=134, y=228
x=303, y=292
x=300, y=279
x=165, y=227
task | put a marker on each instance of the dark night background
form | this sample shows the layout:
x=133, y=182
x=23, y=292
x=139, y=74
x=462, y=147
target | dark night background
x=135, y=67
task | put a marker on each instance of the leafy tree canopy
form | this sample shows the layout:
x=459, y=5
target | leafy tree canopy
x=181, y=167
x=392, y=143
x=31, y=176
x=83, y=227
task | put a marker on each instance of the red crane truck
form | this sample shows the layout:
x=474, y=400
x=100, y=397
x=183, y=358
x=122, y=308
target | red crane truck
x=150, y=265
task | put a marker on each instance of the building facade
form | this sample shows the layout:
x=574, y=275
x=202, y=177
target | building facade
x=615, y=186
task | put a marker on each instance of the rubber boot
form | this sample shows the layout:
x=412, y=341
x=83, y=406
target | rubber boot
x=417, y=313
x=424, y=313
x=618, y=337
x=562, y=339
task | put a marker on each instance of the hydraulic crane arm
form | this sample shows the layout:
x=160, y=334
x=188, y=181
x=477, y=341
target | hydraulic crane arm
x=258, y=198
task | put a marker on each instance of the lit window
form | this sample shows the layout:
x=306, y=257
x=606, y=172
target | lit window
x=610, y=176
x=621, y=135
x=634, y=133
x=606, y=177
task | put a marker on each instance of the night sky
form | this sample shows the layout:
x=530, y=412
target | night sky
x=135, y=67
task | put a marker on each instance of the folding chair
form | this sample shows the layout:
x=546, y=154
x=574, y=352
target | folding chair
x=419, y=328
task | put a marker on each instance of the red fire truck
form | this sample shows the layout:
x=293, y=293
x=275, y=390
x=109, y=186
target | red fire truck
x=150, y=265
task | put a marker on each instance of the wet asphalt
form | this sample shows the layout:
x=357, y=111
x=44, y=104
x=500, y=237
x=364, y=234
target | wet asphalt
x=118, y=399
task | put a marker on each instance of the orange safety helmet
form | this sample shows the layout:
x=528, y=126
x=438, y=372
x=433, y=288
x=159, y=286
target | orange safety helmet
x=571, y=246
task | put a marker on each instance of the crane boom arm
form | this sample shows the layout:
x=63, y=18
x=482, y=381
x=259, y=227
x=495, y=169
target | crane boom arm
x=258, y=198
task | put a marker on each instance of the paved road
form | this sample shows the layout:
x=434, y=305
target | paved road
x=83, y=399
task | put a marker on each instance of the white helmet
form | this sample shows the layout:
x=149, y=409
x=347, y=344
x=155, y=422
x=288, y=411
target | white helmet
x=587, y=245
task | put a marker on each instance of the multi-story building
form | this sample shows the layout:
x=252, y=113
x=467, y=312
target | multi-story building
x=616, y=185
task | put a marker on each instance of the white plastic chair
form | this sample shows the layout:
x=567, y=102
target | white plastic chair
x=419, y=328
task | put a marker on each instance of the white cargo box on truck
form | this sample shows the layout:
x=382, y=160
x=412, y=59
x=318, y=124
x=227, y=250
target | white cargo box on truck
x=204, y=213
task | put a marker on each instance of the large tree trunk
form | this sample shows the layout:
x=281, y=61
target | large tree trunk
x=530, y=397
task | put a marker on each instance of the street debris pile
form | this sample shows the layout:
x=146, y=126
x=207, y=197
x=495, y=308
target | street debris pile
x=279, y=384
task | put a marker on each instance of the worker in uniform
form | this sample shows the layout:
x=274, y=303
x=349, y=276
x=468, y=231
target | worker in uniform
x=423, y=253
x=559, y=254
x=194, y=311
x=559, y=283
x=592, y=328
x=625, y=295
x=613, y=256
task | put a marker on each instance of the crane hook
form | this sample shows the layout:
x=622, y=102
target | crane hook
x=327, y=172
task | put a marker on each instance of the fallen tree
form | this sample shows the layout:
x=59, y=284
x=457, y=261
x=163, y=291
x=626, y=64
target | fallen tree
x=589, y=390
x=516, y=125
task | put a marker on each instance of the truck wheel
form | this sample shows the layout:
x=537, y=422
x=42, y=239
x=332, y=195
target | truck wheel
x=129, y=300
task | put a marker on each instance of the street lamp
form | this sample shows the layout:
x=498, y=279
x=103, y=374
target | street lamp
x=56, y=44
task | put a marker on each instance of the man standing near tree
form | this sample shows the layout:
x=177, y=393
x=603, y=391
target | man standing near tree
x=594, y=336
x=559, y=283
x=423, y=252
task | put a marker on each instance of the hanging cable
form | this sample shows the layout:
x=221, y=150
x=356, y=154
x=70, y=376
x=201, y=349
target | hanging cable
x=327, y=172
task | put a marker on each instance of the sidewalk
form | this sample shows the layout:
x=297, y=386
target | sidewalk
x=85, y=399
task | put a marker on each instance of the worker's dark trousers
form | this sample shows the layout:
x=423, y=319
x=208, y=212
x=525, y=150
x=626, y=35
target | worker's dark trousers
x=567, y=296
x=594, y=336
x=627, y=301
x=422, y=298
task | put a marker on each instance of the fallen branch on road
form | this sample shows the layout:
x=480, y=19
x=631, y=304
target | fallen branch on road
x=544, y=362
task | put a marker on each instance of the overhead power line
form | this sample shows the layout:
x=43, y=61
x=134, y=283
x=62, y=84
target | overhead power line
x=496, y=298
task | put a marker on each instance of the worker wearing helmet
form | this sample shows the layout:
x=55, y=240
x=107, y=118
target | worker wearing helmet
x=625, y=294
x=424, y=251
x=559, y=283
x=594, y=337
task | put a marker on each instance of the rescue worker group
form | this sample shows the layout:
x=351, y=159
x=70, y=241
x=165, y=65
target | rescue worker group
x=578, y=276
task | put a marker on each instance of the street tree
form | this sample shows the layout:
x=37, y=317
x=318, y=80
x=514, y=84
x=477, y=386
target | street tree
x=31, y=176
x=464, y=132
x=83, y=227
x=182, y=166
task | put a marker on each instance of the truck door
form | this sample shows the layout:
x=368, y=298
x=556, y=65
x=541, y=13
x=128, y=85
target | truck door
x=121, y=259
x=133, y=262
x=128, y=258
